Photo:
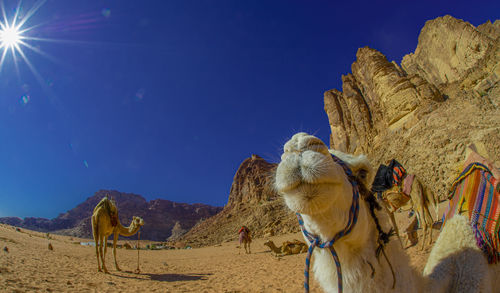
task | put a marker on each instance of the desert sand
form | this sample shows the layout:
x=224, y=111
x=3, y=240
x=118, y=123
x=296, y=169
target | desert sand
x=29, y=266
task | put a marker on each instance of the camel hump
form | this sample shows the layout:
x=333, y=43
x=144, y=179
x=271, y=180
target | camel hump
x=110, y=207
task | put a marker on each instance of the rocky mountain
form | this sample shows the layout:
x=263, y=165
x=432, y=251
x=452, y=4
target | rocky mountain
x=252, y=202
x=426, y=111
x=162, y=217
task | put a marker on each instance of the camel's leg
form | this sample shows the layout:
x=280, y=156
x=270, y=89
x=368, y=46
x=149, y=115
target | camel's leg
x=96, y=242
x=101, y=239
x=427, y=223
x=411, y=232
x=105, y=246
x=249, y=251
x=115, y=238
x=420, y=207
x=393, y=221
x=430, y=234
x=425, y=235
x=423, y=225
x=430, y=221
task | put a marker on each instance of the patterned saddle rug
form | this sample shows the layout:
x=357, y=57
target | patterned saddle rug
x=477, y=192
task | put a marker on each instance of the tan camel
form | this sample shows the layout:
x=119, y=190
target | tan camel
x=104, y=223
x=418, y=201
x=288, y=247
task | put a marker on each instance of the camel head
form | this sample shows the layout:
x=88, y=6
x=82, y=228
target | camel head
x=310, y=181
x=137, y=222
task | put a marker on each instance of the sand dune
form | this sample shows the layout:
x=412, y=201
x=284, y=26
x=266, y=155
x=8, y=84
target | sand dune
x=30, y=266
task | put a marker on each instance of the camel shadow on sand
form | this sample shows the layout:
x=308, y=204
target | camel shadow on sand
x=166, y=277
x=178, y=277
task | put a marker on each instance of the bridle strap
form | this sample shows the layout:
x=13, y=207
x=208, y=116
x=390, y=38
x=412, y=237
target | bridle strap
x=315, y=240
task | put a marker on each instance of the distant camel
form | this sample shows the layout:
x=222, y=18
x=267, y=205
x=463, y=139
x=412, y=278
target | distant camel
x=418, y=201
x=244, y=237
x=288, y=247
x=104, y=223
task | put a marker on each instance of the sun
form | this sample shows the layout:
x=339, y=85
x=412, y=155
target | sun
x=14, y=35
x=10, y=37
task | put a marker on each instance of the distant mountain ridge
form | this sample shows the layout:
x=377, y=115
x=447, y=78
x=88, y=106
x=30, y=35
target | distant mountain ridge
x=160, y=216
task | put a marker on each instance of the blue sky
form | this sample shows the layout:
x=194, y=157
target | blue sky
x=166, y=98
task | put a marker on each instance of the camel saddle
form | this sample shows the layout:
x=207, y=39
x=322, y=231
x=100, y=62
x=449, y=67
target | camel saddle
x=114, y=219
x=476, y=193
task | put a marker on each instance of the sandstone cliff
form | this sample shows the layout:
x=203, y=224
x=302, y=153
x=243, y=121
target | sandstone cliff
x=252, y=202
x=252, y=182
x=424, y=113
x=162, y=217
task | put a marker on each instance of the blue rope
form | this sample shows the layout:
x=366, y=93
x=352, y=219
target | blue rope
x=316, y=241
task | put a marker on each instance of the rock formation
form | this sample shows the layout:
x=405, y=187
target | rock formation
x=444, y=97
x=251, y=183
x=160, y=216
x=252, y=202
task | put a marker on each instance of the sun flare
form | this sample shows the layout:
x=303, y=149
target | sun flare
x=15, y=37
x=10, y=37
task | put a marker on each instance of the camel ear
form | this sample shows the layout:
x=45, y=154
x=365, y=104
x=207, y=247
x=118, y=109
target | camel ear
x=360, y=166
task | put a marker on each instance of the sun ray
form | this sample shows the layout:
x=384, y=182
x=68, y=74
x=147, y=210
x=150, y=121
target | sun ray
x=64, y=41
x=40, y=52
x=15, y=63
x=3, y=58
x=16, y=14
x=30, y=28
x=31, y=67
x=32, y=11
x=3, y=13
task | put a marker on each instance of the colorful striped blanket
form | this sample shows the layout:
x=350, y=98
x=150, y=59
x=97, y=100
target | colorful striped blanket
x=477, y=192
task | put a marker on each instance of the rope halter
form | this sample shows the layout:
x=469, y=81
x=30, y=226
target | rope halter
x=316, y=241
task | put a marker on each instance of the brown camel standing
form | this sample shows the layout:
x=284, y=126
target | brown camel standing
x=104, y=223
x=244, y=237
x=418, y=200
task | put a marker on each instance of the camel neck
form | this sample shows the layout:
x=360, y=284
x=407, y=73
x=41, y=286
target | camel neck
x=127, y=231
x=335, y=219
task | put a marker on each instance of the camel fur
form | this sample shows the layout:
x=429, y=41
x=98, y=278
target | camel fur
x=315, y=186
x=104, y=223
x=287, y=248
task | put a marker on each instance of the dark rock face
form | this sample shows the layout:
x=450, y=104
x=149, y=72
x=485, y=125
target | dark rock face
x=424, y=113
x=160, y=216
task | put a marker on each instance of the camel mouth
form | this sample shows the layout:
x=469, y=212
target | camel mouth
x=305, y=190
x=304, y=170
x=306, y=197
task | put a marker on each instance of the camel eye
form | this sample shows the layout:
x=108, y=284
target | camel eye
x=362, y=174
